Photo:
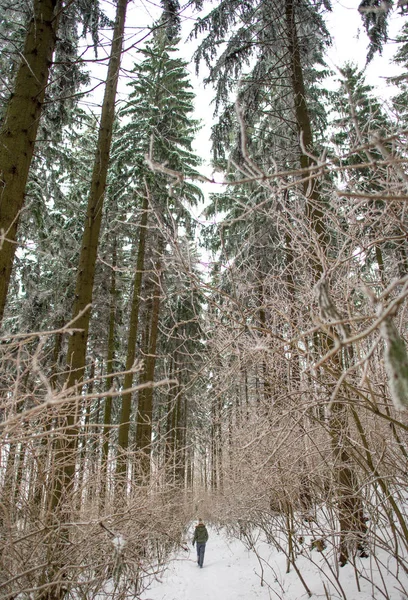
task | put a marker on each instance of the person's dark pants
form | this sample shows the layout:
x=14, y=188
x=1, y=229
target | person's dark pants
x=200, y=554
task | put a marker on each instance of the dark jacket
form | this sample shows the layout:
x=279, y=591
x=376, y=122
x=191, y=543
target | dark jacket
x=200, y=534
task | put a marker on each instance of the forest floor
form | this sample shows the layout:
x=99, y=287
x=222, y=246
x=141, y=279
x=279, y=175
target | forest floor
x=232, y=572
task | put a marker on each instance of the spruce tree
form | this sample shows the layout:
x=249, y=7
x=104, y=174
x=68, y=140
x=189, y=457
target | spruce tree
x=287, y=40
x=159, y=133
x=77, y=345
x=363, y=135
x=44, y=42
x=375, y=14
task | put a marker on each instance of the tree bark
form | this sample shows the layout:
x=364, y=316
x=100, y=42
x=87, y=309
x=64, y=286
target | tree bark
x=180, y=427
x=19, y=131
x=107, y=414
x=314, y=202
x=123, y=434
x=76, y=354
x=350, y=507
x=169, y=452
x=145, y=409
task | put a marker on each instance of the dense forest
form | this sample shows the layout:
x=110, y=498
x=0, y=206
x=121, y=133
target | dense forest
x=170, y=347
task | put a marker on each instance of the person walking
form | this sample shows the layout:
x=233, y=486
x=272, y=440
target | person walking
x=200, y=538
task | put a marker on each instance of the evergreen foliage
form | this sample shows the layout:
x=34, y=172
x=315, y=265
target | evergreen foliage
x=56, y=195
x=159, y=127
x=246, y=52
x=171, y=18
x=13, y=20
x=357, y=117
x=375, y=14
x=401, y=59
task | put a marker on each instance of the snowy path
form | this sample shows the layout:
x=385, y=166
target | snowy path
x=230, y=573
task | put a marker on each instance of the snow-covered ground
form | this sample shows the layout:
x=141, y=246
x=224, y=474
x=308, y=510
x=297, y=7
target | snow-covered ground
x=231, y=572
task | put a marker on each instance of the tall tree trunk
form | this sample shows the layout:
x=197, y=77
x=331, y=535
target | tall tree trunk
x=349, y=505
x=19, y=131
x=66, y=443
x=179, y=471
x=176, y=423
x=350, y=509
x=13, y=470
x=266, y=376
x=220, y=443
x=145, y=340
x=214, y=461
x=314, y=202
x=145, y=409
x=123, y=434
x=76, y=354
x=84, y=437
x=107, y=414
x=170, y=426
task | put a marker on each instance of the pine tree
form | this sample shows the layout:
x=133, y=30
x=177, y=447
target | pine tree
x=76, y=353
x=55, y=196
x=160, y=128
x=374, y=14
x=25, y=107
x=361, y=128
x=289, y=38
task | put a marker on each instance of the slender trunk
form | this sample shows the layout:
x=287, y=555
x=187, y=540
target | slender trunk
x=84, y=435
x=180, y=467
x=123, y=434
x=21, y=472
x=7, y=515
x=76, y=354
x=214, y=462
x=294, y=364
x=12, y=473
x=219, y=444
x=145, y=412
x=349, y=504
x=56, y=354
x=314, y=202
x=41, y=491
x=230, y=439
x=247, y=406
x=170, y=426
x=142, y=380
x=380, y=263
x=107, y=415
x=349, y=499
x=179, y=422
x=184, y=452
x=267, y=388
x=190, y=469
x=19, y=131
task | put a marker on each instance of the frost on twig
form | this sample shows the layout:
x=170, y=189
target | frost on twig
x=396, y=363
